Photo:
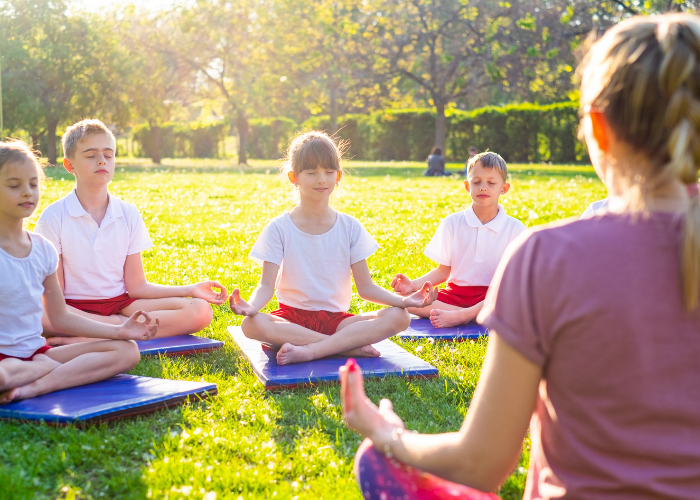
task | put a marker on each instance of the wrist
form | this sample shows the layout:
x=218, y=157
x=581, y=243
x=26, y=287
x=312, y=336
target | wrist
x=385, y=440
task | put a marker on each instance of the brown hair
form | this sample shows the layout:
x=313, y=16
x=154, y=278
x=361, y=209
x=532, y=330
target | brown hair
x=308, y=150
x=16, y=151
x=489, y=159
x=78, y=131
x=644, y=76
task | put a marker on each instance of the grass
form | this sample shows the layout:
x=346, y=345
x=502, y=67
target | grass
x=203, y=218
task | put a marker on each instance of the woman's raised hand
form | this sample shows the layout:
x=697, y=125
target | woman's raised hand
x=402, y=285
x=240, y=306
x=204, y=290
x=423, y=297
x=363, y=416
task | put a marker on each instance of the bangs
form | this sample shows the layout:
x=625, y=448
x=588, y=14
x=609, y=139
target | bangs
x=314, y=153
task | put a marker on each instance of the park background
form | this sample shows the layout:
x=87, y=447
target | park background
x=203, y=97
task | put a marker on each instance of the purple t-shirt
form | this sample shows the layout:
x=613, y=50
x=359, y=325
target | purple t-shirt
x=597, y=304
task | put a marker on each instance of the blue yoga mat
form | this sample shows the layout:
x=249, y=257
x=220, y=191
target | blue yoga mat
x=421, y=328
x=117, y=397
x=394, y=361
x=180, y=345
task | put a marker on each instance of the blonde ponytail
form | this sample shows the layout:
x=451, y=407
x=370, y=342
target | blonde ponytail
x=644, y=74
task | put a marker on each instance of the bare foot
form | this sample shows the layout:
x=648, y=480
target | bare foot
x=289, y=354
x=366, y=351
x=441, y=318
x=60, y=341
x=8, y=396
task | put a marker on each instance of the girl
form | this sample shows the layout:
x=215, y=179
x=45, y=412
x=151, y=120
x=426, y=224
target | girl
x=308, y=254
x=595, y=324
x=28, y=367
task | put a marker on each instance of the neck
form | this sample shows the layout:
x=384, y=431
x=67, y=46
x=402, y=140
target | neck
x=485, y=214
x=11, y=228
x=314, y=209
x=92, y=197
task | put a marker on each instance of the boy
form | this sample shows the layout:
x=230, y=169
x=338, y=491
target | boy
x=467, y=247
x=100, y=238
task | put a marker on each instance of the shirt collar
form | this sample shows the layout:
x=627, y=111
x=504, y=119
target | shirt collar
x=75, y=209
x=495, y=225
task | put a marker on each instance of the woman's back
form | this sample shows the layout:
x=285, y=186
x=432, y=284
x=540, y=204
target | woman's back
x=436, y=165
x=598, y=305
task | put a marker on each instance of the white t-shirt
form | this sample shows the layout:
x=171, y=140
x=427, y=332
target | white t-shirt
x=314, y=269
x=93, y=256
x=21, y=288
x=594, y=207
x=470, y=248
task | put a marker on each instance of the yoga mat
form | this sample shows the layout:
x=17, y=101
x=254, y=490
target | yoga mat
x=118, y=397
x=179, y=345
x=421, y=328
x=394, y=361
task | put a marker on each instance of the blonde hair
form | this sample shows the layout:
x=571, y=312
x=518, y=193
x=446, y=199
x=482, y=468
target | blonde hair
x=644, y=76
x=310, y=150
x=489, y=159
x=78, y=131
x=16, y=151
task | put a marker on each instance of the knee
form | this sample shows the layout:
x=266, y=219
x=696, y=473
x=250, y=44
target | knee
x=249, y=326
x=129, y=352
x=202, y=313
x=3, y=378
x=401, y=318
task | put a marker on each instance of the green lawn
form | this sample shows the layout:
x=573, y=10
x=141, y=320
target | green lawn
x=246, y=443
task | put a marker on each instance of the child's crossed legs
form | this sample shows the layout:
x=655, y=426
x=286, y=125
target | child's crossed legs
x=353, y=336
x=64, y=367
x=443, y=315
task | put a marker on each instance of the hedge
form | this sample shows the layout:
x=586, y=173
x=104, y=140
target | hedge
x=520, y=133
x=269, y=137
x=178, y=140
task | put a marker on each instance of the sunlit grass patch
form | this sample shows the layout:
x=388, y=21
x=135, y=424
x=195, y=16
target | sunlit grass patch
x=204, y=218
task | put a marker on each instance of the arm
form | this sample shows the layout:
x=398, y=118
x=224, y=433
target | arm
x=403, y=285
x=260, y=296
x=59, y=274
x=372, y=292
x=139, y=288
x=64, y=320
x=485, y=449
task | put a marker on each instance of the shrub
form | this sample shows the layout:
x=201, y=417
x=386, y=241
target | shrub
x=268, y=137
x=181, y=140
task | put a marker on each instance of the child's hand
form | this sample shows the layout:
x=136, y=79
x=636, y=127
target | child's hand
x=133, y=329
x=423, y=297
x=204, y=291
x=240, y=306
x=402, y=285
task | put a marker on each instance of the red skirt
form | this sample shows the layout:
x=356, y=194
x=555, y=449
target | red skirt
x=324, y=322
x=102, y=307
x=41, y=350
x=462, y=296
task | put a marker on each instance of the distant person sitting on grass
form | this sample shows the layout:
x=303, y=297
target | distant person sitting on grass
x=100, y=238
x=28, y=262
x=436, y=164
x=594, y=324
x=467, y=247
x=308, y=254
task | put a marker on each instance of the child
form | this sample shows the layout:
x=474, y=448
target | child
x=100, y=238
x=595, y=323
x=308, y=254
x=467, y=247
x=28, y=367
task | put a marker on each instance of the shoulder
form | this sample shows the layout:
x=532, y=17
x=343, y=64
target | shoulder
x=128, y=209
x=54, y=211
x=455, y=219
x=514, y=224
x=43, y=246
x=350, y=224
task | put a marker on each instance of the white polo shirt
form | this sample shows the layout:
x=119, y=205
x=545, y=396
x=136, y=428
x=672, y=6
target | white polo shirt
x=93, y=256
x=470, y=248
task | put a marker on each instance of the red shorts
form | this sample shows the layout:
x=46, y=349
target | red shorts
x=324, y=322
x=41, y=350
x=462, y=296
x=103, y=307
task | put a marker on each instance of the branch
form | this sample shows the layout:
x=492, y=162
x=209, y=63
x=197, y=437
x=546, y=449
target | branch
x=626, y=7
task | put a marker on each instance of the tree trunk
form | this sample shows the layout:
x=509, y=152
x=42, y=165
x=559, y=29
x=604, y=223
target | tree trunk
x=156, y=144
x=242, y=126
x=51, y=137
x=333, y=111
x=440, y=127
x=36, y=138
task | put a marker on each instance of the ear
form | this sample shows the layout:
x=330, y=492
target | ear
x=292, y=178
x=338, y=175
x=68, y=166
x=600, y=129
x=505, y=188
x=466, y=184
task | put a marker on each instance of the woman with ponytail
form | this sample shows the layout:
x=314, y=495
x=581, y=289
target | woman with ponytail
x=595, y=324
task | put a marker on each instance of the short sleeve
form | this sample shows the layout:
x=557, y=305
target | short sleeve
x=269, y=246
x=440, y=247
x=48, y=226
x=362, y=245
x=139, y=239
x=51, y=258
x=514, y=305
